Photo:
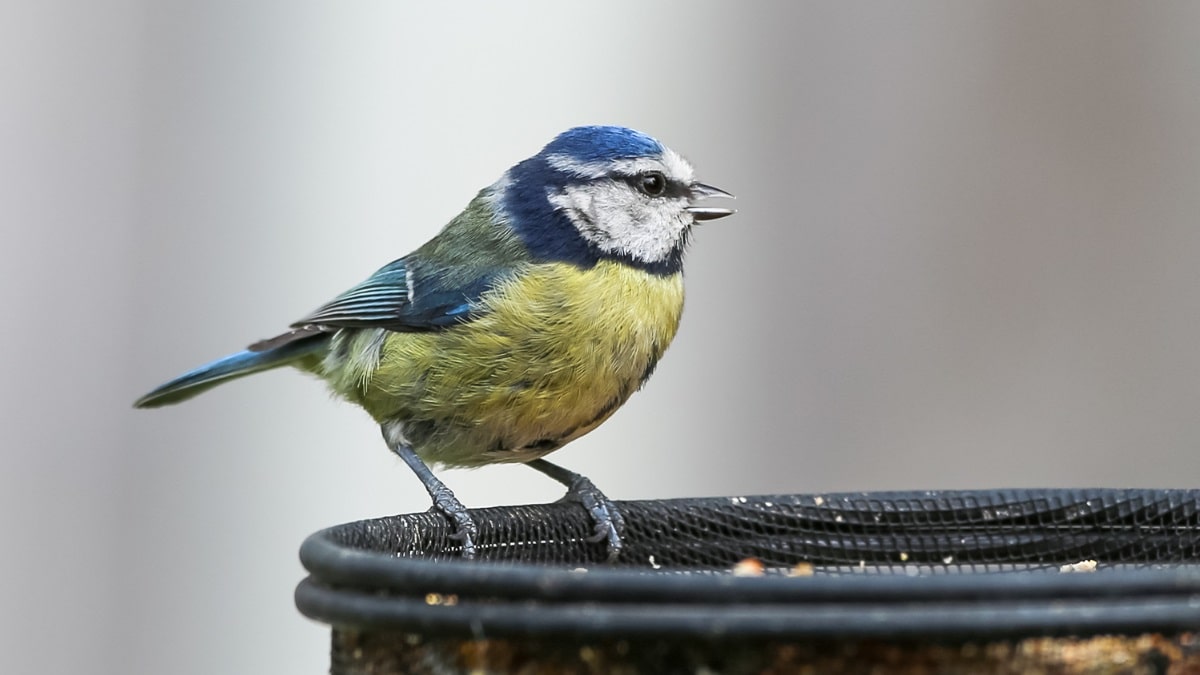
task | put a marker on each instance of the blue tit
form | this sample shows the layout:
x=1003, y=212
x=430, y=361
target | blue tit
x=521, y=326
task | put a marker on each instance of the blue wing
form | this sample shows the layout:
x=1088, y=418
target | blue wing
x=406, y=295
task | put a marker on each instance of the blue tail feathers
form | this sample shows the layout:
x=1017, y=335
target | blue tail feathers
x=229, y=368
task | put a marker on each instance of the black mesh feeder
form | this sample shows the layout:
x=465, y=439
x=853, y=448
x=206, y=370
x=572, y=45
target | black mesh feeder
x=1005, y=581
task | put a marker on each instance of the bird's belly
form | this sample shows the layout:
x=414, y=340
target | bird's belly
x=553, y=353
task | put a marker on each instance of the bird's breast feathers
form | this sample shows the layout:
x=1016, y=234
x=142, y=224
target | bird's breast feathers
x=553, y=352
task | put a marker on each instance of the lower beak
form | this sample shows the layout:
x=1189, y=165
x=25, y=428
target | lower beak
x=703, y=213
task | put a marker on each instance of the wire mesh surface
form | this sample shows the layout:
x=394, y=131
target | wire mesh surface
x=976, y=563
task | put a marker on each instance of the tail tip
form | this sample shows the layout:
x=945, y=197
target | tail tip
x=154, y=399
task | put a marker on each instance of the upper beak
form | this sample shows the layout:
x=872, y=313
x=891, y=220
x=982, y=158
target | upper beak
x=701, y=213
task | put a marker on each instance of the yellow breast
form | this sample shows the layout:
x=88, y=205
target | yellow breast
x=552, y=354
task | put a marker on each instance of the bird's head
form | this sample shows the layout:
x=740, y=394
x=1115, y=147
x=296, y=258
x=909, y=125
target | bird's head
x=602, y=192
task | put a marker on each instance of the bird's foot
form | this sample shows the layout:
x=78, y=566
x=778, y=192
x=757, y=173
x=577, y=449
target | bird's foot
x=444, y=501
x=607, y=519
x=465, y=529
x=609, y=524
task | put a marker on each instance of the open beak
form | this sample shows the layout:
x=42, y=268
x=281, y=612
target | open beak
x=703, y=213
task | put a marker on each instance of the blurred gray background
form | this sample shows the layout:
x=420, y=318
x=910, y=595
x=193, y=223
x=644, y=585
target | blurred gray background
x=967, y=255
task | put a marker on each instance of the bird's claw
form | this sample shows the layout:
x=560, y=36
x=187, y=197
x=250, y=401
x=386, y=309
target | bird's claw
x=608, y=521
x=465, y=529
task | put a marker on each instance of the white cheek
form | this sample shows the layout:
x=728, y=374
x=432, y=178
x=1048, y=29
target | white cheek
x=648, y=233
x=618, y=220
x=580, y=207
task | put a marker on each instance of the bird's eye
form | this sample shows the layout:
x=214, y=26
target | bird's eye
x=652, y=183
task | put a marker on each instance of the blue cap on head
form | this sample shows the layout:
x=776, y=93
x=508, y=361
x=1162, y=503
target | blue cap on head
x=600, y=144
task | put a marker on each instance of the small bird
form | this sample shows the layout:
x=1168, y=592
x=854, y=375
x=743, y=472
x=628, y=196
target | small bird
x=521, y=326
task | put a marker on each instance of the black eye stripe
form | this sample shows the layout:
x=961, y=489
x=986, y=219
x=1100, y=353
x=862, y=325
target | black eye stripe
x=672, y=189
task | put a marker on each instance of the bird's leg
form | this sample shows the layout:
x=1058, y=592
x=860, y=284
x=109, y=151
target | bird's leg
x=608, y=521
x=444, y=500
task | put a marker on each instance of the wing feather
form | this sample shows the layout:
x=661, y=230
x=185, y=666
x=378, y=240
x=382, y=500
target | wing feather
x=405, y=296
